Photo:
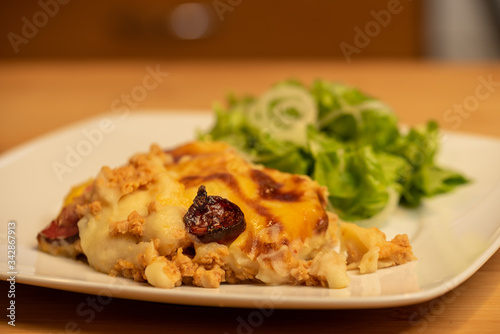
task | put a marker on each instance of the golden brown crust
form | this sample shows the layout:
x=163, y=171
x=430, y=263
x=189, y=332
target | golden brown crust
x=92, y=207
x=153, y=207
x=397, y=251
x=212, y=254
x=185, y=264
x=368, y=249
x=209, y=278
x=134, y=226
x=95, y=207
x=128, y=270
x=128, y=178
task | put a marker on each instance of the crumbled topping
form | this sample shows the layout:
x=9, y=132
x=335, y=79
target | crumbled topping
x=211, y=278
x=152, y=207
x=134, y=225
x=211, y=254
x=93, y=207
x=368, y=249
x=185, y=264
x=131, y=177
x=128, y=270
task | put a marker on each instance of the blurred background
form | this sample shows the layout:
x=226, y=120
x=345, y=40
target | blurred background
x=442, y=29
x=66, y=60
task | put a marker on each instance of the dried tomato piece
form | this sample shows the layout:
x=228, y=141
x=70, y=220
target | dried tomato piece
x=214, y=218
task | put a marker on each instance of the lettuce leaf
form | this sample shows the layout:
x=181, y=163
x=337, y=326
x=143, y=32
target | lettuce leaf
x=346, y=140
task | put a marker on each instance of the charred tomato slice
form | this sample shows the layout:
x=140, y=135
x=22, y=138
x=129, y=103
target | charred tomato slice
x=214, y=218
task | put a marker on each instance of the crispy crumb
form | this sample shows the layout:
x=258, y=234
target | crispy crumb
x=211, y=254
x=185, y=264
x=140, y=172
x=134, y=225
x=95, y=207
x=128, y=270
x=368, y=249
x=92, y=207
x=153, y=207
x=211, y=278
x=397, y=251
x=131, y=177
x=240, y=274
x=301, y=273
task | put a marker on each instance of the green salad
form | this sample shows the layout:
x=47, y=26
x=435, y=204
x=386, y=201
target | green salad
x=342, y=138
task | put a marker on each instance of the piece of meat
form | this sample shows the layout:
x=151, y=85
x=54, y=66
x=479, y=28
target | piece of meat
x=61, y=236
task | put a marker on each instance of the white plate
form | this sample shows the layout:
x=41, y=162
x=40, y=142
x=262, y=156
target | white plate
x=452, y=235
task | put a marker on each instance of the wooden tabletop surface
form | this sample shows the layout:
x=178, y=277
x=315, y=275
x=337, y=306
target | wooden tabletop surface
x=37, y=97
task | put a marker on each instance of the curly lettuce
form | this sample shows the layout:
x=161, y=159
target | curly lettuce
x=344, y=139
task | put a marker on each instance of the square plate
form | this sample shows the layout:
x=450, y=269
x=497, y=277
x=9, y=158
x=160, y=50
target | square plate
x=452, y=235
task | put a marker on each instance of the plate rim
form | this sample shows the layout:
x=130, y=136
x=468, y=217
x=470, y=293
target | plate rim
x=293, y=302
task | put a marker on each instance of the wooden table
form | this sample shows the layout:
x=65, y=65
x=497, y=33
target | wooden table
x=37, y=97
